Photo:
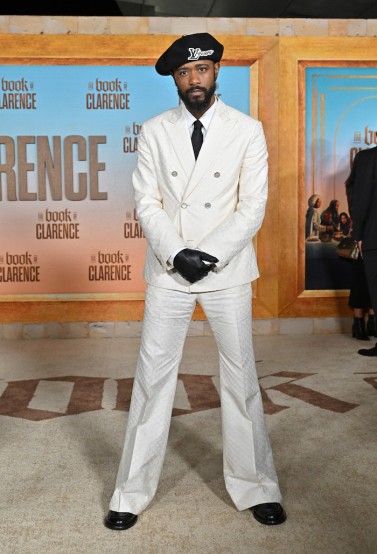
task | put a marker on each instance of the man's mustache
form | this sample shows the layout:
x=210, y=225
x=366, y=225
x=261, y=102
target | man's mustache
x=195, y=89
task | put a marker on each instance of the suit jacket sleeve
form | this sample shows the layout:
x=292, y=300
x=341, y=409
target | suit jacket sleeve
x=363, y=190
x=158, y=228
x=234, y=233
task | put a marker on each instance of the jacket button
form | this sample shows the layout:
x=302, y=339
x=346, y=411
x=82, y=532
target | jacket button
x=217, y=174
x=184, y=205
x=174, y=173
x=207, y=205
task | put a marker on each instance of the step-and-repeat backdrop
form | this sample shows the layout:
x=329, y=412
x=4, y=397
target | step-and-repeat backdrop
x=68, y=146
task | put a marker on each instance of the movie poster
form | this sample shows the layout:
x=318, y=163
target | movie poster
x=341, y=108
x=68, y=145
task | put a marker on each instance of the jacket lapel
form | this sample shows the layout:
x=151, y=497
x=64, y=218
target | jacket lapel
x=220, y=127
x=179, y=137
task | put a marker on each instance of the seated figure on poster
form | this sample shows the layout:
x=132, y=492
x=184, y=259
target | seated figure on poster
x=313, y=219
x=344, y=224
x=330, y=220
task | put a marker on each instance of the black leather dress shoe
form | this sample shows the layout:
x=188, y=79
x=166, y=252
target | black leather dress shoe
x=120, y=520
x=368, y=351
x=270, y=513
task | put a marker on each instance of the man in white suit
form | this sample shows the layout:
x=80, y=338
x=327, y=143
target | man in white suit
x=200, y=191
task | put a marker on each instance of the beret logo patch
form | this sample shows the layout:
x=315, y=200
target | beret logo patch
x=196, y=53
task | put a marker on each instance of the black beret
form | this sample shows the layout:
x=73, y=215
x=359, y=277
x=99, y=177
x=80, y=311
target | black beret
x=189, y=48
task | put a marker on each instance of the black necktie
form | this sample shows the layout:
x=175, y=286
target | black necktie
x=197, y=137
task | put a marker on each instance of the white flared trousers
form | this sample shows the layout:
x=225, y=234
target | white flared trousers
x=249, y=472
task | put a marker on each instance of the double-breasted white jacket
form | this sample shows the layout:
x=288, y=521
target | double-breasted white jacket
x=215, y=204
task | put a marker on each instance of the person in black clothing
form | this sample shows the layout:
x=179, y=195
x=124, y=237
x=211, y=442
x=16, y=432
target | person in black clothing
x=363, y=203
x=359, y=299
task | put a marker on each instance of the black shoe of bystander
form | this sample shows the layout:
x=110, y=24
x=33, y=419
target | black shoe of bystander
x=371, y=326
x=358, y=329
x=368, y=351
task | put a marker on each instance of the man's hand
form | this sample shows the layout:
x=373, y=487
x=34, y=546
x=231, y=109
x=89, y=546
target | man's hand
x=191, y=264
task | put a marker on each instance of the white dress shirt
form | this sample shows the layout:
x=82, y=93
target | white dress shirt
x=205, y=119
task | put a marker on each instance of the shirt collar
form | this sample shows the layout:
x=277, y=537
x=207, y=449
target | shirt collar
x=205, y=119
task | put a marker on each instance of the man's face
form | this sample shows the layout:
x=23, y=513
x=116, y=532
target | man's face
x=196, y=83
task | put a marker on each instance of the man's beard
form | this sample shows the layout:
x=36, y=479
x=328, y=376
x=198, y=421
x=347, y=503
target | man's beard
x=195, y=104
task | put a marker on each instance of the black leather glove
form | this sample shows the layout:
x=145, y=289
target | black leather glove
x=190, y=264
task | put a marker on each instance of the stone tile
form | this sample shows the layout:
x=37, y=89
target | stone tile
x=12, y=330
x=4, y=23
x=372, y=27
x=346, y=324
x=296, y=326
x=128, y=25
x=33, y=331
x=227, y=25
x=77, y=330
x=332, y=325
x=181, y=399
x=287, y=27
x=101, y=329
x=311, y=27
x=357, y=27
x=338, y=27
x=128, y=328
x=159, y=25
x=57, y=330
x=53, y=396
x=262, y=27
x=60, y=25
x=265, y=327
x=196, y=329
x=26, y=24
x=206, y=329
x=93, y=25
x=188, y=25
